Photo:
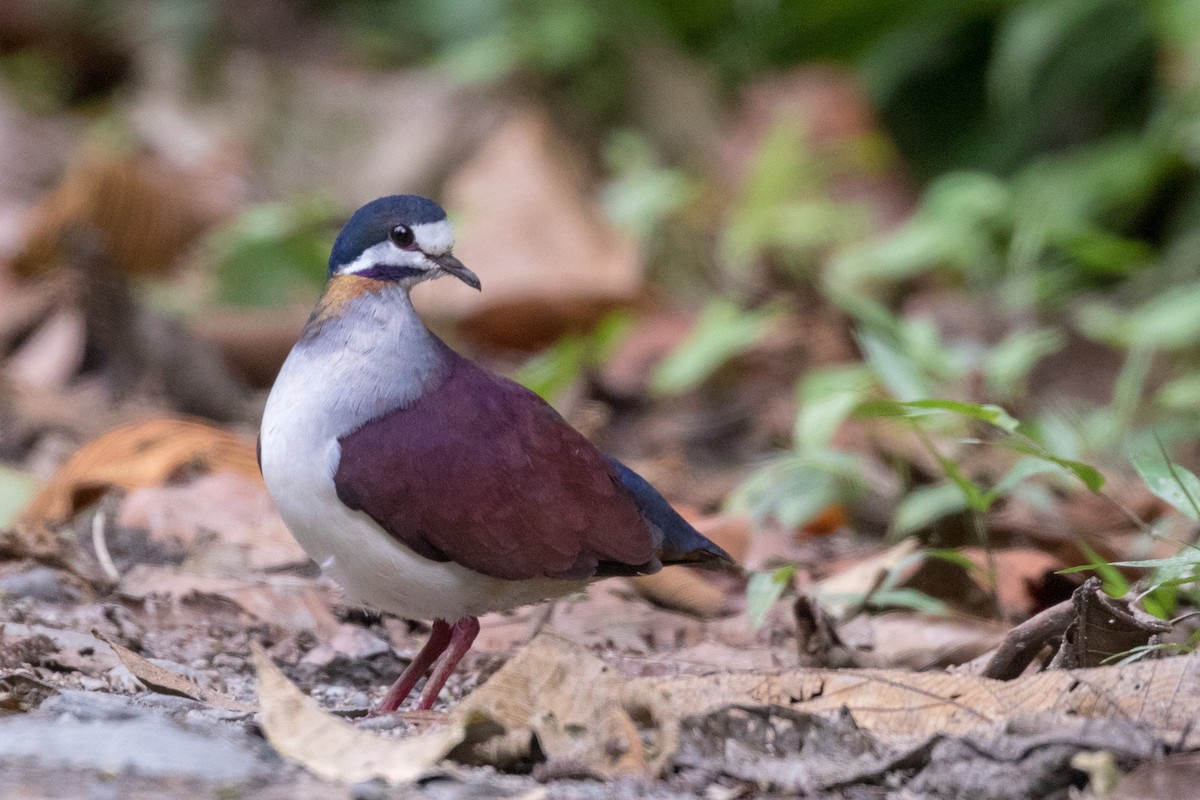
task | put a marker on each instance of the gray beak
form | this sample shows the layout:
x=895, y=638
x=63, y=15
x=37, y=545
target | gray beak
x=452, y=266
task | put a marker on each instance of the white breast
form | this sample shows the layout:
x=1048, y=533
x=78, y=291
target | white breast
x=377, y=358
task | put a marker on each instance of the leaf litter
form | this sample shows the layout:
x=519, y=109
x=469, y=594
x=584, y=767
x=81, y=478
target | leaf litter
x=872, y=669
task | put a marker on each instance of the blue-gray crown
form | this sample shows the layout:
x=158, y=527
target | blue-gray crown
x=371, y=224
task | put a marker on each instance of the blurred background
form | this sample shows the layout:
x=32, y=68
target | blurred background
x=712, y=233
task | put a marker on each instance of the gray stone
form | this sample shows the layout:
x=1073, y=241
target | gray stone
x=147, y=745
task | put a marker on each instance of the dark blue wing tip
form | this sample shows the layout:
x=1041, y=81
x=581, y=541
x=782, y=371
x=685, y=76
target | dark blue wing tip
x=682, y=543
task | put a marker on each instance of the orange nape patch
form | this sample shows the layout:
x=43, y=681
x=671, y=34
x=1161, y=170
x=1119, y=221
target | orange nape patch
x=340, y=292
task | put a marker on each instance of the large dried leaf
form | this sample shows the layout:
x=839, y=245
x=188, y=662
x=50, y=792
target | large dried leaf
x=537, y=693
x=226, y=521
x=142, y=209
x=141, y=454
x=291, y=603
x=159, y=679
x=683, y=590
x=548, y=258
x=331, y=747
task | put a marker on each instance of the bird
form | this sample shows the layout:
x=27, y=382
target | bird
x=428, y=486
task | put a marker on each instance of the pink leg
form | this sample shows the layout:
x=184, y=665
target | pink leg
x=461, y=637
x=439, y=639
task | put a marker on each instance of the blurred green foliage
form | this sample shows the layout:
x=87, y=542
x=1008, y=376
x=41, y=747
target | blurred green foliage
x=1053, y=147
x=556, y=369
x=721, y=332
x=274, y=253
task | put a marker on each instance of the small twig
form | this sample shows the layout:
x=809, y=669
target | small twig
x=1024, y=641
x=100, y=544
x=854, y=609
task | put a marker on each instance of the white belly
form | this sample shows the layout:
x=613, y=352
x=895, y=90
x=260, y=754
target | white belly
x=305, y=414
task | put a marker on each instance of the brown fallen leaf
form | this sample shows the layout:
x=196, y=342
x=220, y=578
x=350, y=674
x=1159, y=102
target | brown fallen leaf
x=159, y=679
x=683, y=590
x=289, y=602
x=333, y=748
x=58, y=648
x=1104, y=628
x=552, y=257
x=146, y=213
x=538, y=693
x=231, y=512
x=845, y=590
x=921, y=641
x=1024, y=577
x=351, y=641
x=531, y=699
x=52, y=354
x=149, y=453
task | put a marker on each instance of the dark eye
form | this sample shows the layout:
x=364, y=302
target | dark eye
x=402, y=237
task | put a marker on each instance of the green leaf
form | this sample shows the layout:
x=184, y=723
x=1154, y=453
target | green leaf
x=925, y=505
x=828, y=396
x=16, y=490
x=1019, y=472
x=950, y=556
x=1173, y=483
x=897, y=371
x=722, y=332
x=1114, y=583
x=552, y=371
x=1166, y=322
x=1090, y=476
x=641, y=193
x=1009, y=362
x=763, y=591
x=273, y=254
x=976, y=498
x=908, y=598
x=1180, y=394
x=555, y=369
x=795, y=489
x=993, y=415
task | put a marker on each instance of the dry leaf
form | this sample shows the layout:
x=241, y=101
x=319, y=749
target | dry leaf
x=234, y=514
x=289, y=602
x=142, y=208
x=332, y=748
x=52, y=354
x=20, y=691
x=683, y=590
x=541, y=244
x=538, y=694
x=149, y=453
x=67, y=649
x=846, y=589
x=542, y=683
x=921, y=641
x=162, y=680
x=1176, y=775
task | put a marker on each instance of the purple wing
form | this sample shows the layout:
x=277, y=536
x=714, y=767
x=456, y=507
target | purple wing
x=482, y=472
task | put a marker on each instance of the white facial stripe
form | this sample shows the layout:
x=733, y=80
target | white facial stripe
x=382, y=253
x=385, y=254
x=434, y=238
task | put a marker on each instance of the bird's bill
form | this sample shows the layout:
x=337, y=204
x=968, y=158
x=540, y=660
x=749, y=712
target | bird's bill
x=452, y=266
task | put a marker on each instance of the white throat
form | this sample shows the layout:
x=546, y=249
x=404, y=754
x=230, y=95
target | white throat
x=374, y=357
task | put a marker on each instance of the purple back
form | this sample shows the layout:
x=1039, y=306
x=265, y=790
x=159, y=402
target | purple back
x=482, y=472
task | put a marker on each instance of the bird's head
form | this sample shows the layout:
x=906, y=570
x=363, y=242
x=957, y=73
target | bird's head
x=403, y=239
